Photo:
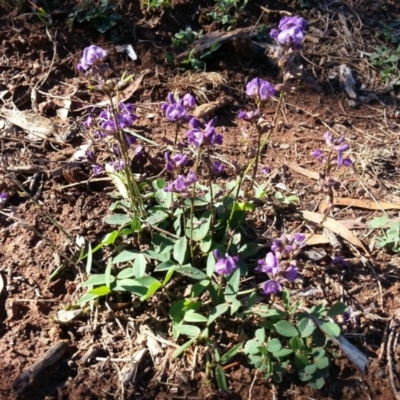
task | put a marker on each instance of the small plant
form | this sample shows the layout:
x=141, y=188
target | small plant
x=198, y=62
x=154, y=5
x=182, y=236
x=100, y=14
x=184, y=38
x=390, y=238
x=386, y=60
x=391, y=31
x=225, y=11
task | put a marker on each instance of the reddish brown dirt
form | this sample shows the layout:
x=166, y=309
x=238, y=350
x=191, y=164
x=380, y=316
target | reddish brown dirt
x=30, y=300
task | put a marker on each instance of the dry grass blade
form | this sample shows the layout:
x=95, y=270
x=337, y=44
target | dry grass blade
x=336, y=227
x=360, y=203
x=302, y=171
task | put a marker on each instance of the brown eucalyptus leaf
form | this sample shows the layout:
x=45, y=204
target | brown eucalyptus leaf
x=334, y=226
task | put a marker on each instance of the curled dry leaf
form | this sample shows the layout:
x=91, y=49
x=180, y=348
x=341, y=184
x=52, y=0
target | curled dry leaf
x=37, y=126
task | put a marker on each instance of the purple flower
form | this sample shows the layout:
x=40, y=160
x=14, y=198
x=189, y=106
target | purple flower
x=175, y=162
x=175, y=112
x=93, y=56
x=338, y=145
x=343, y=162
x=97, y=169
x=116, y=150
x=3, y=197
x=292, y=37
x=217, y=168
x=265, y=170
x=188, y=101
x=201, y=134
x=319, y=155
x=271, y=287
x=249, y=115
x=260, y=89
x=225, y=265
x=291, y=32
x=289, y=22
x=117, y=165
x=129, y=139
x=90, y=155
x=292, y=271
x=181, y=183
x=269, y=265
x=88, y=122
x=340, y=262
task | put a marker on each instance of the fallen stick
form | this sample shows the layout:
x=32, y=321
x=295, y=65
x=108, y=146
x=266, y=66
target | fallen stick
x=51, y=356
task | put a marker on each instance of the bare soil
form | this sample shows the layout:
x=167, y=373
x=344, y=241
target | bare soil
x=33, y=57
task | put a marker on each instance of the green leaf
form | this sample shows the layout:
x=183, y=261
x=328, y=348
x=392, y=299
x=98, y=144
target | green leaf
x=125, y=255
x=210, y=264
x=199, y=287
x=337, y=309
x=331, y=329
x=310, y=369
x=131, y=286
x=188, y=330
x=157, y=256
x=296, y=343
x=151, y=290
x=194, y=317
x=180, y=249
x=322, y=363
x=317, y=383
x=306, y=327
x=108, y=273
x=118, y=219
x=232, y=285
x=378, y=222
x=165, y=266
x=301, y=360
x=168, y=275
x=286, y=329
x=219, y=310
x=239, y=206
x=126, y=273
x=192, y=272
x=318, y=353
x=319, y=338
x=136, y=224
x=231, y=353
x=156, y=217
x=110, y=238
x=206, y=243
x=182, y=349
x=201, y=227
x=252, y=347
x=260, y=335
x=158, y=184
x=283, y=353
x=250, y=249
x=86, y=298
x=89, y=259
x=286, y=298
x=235, y=305
x=96, y=280
x=221, y=378
x=139, y=266
x=274, y=345
x=100, y=291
